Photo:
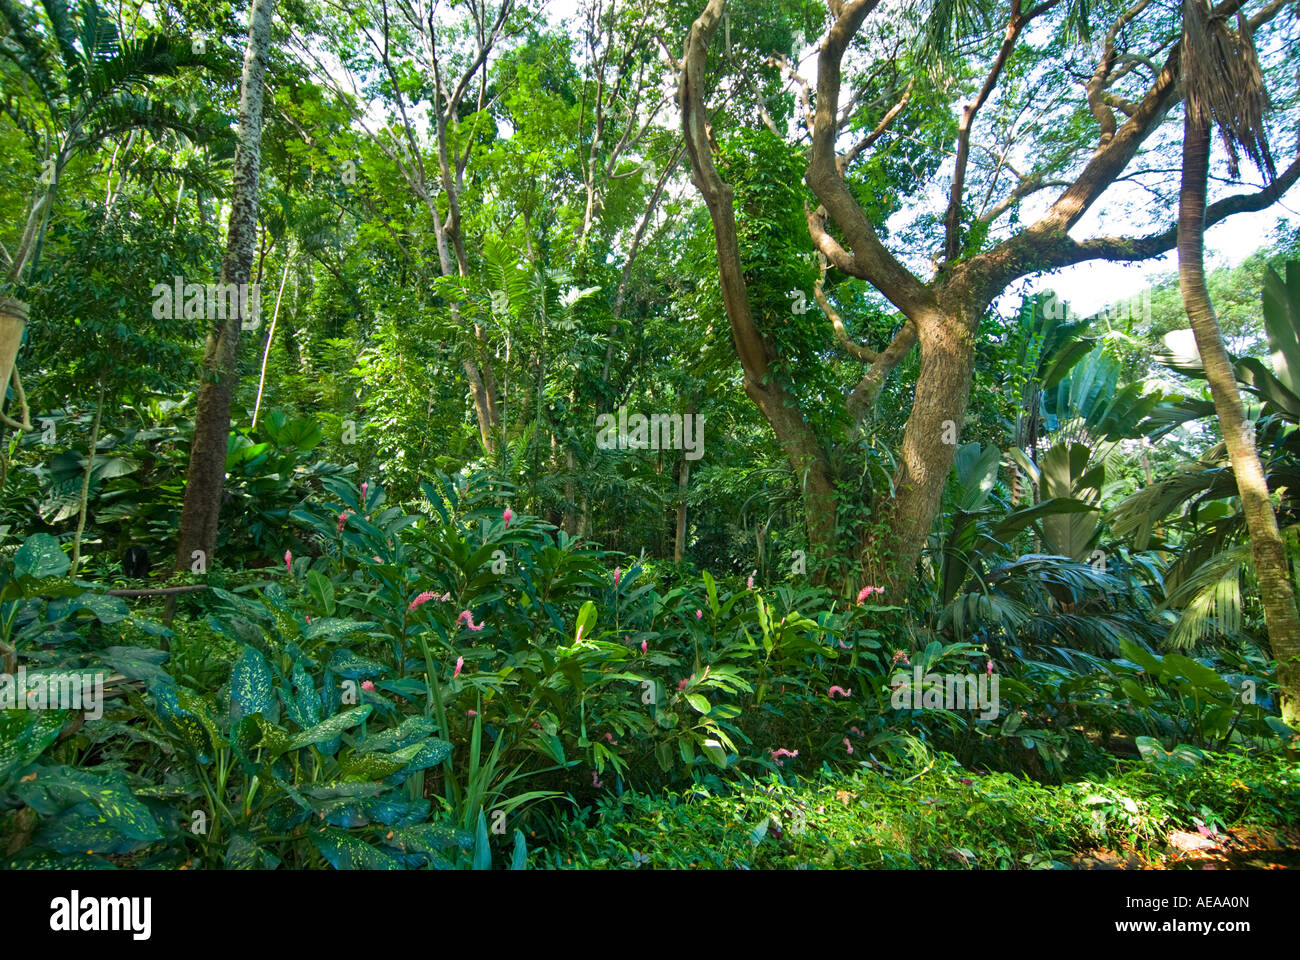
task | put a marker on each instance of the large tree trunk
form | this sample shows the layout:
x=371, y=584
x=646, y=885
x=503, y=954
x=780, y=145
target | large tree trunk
x=1271, y=568
x=207, y=468
x=930, y=441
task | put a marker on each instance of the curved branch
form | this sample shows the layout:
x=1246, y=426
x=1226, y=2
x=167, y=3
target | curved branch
x=1152, y=245
x=863, y=353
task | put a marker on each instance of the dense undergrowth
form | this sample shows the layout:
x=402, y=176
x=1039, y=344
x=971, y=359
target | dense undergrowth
x=937, y=816
x=451, y=685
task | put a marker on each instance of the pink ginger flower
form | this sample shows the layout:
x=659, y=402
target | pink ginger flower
x=343, y=519
x=365, y=485
x=783, y=752
x=685, y=680
x=969, y=783
x=699, y=614
x=643, y=646
x=843, y=693
x=460, y=662
x=288, y=562
x=848, y=746
x=990, y=671
x=855, y=731
x=609, y=737
x=899, y=655
x=507, y=516
x=467, y=618
x=367, y=685
x=865, y=592
x=445, y=598
x=595, y=779
x=422, y=599
x=749, y=584
x=377, y=560
x=471, y=713
x=618, y=575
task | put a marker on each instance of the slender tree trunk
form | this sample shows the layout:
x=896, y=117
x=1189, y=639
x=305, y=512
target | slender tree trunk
x=683, y=479
x=1271, y=567
x=207, y=468
x=796, y=435
x=270, y=339
x=85, y=481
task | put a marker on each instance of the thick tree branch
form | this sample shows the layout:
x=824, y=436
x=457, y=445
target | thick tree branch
x=1153, y=245
x=870, y=260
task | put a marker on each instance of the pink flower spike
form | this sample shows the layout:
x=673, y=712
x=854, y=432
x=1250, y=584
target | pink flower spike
x=288, y=562
x=699, y=614
x=969, y=783
x=749, y=584
x=990, y=668
x=643, y=646
x=377, y=560
x=343, y=519
x=460, y=662
x=595, y=779
x=685, y=681
x=507, y=516
x=618, y=575
x=422, y=598
x=783, y=752
x=467, y=618
x=868, y=591
x=367, y=685
x=609, y=737
x=848, y=746
x=471, y=713
x=843, y=693
x=365, y=485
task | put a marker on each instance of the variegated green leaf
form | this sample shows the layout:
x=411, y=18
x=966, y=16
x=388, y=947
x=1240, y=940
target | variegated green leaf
x=330, y=728
x=250, y=685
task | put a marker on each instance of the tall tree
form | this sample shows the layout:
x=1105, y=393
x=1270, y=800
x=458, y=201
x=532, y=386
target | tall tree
x=1125, y=102
x=205, y=480
x=1225, y=88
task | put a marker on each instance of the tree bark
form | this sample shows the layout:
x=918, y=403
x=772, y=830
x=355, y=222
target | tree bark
x=930, y=440
x=1271, y=567
x=85, y=482
x=683, y=480
x=207, y=468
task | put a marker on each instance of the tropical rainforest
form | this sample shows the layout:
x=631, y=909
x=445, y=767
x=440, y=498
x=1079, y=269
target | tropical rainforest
x=649, y=434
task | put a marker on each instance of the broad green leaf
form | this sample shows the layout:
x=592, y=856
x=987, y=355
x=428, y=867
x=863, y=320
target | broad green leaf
x=250, y=684
x=39, y=557
x=24, y=735
x=330, y=728
x=347, y=851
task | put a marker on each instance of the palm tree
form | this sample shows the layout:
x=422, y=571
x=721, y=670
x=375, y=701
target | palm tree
x=79, y=83
x=1225, y=88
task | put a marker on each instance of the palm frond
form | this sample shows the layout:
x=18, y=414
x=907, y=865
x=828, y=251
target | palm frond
x=1210, y=599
